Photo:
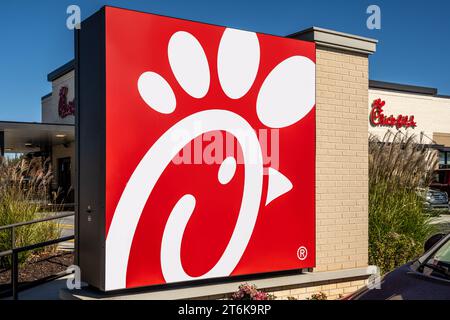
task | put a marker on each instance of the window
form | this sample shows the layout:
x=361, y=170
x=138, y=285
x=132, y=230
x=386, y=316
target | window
x=442, y=160
x=438, y=265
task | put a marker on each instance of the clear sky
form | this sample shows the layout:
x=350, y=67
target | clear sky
x=414, y=40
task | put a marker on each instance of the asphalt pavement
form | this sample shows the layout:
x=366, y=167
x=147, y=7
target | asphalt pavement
x=442, y=223
x=67, y=229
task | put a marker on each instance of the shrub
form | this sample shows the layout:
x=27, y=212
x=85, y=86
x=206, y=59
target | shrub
x=318, y=296
x=250, y=292
x=24, y=193
x=398, y=225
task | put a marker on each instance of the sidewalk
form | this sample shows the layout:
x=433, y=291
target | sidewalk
x=46, y=291
x=442, y=223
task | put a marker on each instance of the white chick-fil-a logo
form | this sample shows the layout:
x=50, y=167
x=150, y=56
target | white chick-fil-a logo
x=278, y=106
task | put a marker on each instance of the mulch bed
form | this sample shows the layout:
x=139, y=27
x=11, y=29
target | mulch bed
x=38, y=267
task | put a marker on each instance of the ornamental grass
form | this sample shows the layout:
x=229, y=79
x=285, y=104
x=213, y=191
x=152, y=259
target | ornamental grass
x=399, y=166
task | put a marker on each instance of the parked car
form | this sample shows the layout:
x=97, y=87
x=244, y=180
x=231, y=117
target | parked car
x=427, y=278
x=441, y=180
x=434, y=199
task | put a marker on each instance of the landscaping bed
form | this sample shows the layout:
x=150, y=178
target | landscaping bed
x=37, y=267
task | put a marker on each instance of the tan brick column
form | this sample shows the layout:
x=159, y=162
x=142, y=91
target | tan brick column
x=342, y=148
x=341, y=160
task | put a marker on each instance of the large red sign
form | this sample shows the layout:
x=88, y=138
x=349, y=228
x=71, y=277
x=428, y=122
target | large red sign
x=210, y=151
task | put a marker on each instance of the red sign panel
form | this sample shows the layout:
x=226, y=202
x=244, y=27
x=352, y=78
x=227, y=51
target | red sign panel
x=210, y=151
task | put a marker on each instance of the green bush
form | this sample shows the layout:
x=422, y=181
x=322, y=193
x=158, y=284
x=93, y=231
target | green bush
x=398, y=224
x=24, y=194
x=318, y=296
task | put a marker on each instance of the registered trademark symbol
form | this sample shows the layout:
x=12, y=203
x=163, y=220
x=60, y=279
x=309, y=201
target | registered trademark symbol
x=302, y=253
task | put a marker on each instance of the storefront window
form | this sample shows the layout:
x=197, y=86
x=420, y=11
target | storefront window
x=442, y=158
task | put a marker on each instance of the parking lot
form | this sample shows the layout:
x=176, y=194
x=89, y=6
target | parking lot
x=442, y=222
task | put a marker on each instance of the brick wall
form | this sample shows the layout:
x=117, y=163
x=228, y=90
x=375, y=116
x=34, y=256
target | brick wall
x=332, y=289
x=341, y=160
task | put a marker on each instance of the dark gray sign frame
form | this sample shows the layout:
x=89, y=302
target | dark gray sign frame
x=90, y=124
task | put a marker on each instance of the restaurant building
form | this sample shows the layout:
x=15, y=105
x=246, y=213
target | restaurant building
x=345, y=102
x=53, y=137
x=425, y=113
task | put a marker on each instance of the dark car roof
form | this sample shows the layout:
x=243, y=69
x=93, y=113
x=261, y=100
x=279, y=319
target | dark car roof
x=405, y=283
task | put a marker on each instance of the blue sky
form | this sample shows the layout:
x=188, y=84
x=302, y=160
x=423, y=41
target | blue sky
x=414, y=40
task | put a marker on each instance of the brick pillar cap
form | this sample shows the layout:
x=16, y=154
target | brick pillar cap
x=338, y=40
